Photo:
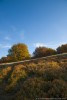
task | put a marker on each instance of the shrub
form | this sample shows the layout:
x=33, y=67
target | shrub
x=43, y=51
x=58, y=89
x=62, y=49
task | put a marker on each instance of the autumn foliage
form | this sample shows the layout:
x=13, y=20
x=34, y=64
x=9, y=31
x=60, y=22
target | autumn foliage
x=62, y=49
x=36, y=79
x=18, y=52
x=43, y=51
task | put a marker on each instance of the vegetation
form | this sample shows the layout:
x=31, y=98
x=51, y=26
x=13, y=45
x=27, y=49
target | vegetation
x=43, y=51
x=45, y=78
x=20, y=52
x=62, y=49
x=41, y=78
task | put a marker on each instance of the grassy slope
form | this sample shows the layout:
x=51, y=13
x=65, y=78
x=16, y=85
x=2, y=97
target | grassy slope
x=40, y=78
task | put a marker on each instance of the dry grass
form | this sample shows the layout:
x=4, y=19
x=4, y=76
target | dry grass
x=35, y=79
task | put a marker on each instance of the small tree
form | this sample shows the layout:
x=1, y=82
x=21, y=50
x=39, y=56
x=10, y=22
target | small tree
x=18, y=52
x=43, y=51
x=50, y=51
x=5, y=59
x=62, y=49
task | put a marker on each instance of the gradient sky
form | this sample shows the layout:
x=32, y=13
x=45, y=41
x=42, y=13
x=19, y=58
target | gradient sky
x=33, y=22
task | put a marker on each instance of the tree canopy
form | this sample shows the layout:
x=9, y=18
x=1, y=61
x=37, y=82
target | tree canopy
x=18, y=52
x=43, y=51
x=62, y=49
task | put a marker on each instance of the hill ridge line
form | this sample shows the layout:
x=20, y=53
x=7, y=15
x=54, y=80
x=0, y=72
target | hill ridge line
x=32, y=59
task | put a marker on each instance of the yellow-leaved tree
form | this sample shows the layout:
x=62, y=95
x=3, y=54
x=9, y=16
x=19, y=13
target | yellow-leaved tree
x=18, y=52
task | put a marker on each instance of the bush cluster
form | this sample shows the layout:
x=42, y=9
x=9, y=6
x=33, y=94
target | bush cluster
x=20, y=52
x=44, y=79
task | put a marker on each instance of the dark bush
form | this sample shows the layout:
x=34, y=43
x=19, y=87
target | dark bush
x=43, y=51
x=62, y=49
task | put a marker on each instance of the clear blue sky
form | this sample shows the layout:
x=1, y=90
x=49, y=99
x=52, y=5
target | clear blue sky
x=33, y=22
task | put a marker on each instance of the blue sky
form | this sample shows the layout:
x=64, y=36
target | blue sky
x=33, y=22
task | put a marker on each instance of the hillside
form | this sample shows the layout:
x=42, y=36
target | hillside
x=41, y=78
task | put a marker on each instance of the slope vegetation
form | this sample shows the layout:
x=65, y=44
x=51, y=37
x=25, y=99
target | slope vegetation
x=42, y=78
